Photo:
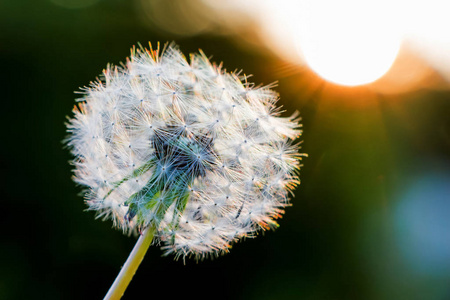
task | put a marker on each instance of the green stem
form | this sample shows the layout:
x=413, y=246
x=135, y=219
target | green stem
x=129, y=268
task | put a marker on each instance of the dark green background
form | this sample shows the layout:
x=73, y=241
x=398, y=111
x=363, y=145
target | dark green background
x=343, y=238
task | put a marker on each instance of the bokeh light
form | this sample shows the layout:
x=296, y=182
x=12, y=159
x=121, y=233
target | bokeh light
x=422, y=224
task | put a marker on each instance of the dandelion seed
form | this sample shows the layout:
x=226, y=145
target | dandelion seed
x=190, y=148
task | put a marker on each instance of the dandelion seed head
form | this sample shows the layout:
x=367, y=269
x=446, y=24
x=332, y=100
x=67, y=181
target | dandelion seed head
x=184, y=147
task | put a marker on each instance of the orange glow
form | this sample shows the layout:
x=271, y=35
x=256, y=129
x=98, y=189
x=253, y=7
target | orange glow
x=347, y=42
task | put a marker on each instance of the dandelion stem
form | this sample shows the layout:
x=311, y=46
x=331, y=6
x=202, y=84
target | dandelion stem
x=129, y=268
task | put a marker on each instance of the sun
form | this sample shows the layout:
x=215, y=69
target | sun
x=347, y=42
x=349, y=60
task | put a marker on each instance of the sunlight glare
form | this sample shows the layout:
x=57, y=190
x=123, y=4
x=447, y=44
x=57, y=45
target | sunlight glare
x=348, y=42
x=426, y=28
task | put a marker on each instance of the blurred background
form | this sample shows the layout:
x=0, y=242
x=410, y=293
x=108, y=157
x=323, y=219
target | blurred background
x=370, y=79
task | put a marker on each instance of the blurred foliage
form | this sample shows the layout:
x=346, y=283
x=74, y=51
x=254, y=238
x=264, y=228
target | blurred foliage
x=338, y=239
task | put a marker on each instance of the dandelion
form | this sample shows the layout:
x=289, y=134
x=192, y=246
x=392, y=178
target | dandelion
x=189, y=155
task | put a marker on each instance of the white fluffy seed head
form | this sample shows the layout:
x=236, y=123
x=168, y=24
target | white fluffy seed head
x=194, y=151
